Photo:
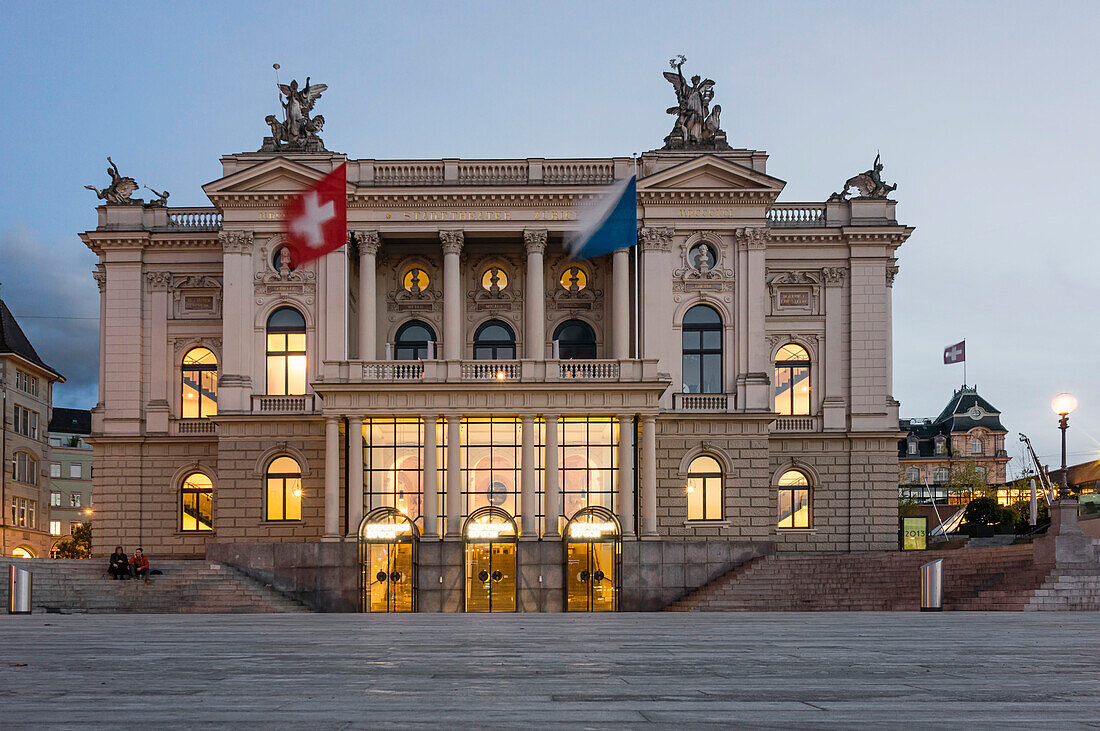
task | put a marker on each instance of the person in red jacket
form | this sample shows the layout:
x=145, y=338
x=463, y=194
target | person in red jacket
x=139, y=565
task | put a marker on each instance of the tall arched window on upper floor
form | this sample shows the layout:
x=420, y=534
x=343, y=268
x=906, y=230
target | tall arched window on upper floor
x=284, y=489
x=975, y=446
x=704, y=489
x=286, y=353
x=794, y=500
x=702, y=350
x=199, y=392
x=411, y=341
x=494, y=340
x=196, y=503
x=792, y=380
x=575, y=340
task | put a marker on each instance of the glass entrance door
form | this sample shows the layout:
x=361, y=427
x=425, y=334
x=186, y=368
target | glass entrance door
x=491, y=577
x=387, y=562
x=592, y=554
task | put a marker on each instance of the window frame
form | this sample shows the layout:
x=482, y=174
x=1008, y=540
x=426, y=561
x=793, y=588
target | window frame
x=495, y=345
x=790, y=365
x=286, y=353
x=976, y=446
x=794, y=488
x=708, y=481
x=414, y=347
x=199, y=369
x=578, y=344
x=284, y=477
x=701, y=351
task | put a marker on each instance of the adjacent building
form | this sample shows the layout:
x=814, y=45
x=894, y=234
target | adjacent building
x=449, y=414
x=968, y=430
x=26, y=387
x=70, y=471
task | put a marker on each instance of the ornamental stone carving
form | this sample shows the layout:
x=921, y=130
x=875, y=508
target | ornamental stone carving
x=833, y=276
x=891, y=272
x=751, y=238
x=868, y=183
x=655, y=239
x=119, y=191
x=690, y=276
x=534, y=240
x=366, y=242
x=235, y=242
x=452, y=241
x=794, y=293
x=697, y=126
x=158, y=281
x=100, y=277
x=299, y=128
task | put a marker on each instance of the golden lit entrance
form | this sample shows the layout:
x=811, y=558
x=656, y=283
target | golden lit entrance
x=490, y=536
x=593, y=549
x=387, y=561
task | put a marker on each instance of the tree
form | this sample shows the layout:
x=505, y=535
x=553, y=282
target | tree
x=983, y=511
x=967, y=480
x=78, y=545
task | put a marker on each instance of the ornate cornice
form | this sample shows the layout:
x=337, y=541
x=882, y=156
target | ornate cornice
x=235, y=242
x=534, y=240
x=158, y=281
x=655, y=239
x=751, y=238
x=368, y=242
x=452, y=241
x=833, y=276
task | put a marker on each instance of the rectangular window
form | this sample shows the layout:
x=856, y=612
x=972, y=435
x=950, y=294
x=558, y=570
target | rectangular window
x=75, y=470
x=794, y=508
x=393, y=470
x=55, y=499
x=74, y=525
x=913, y=447
x=588, y=461
x=490, y=464
x=24, y=469
x=55, y=527
x=74, y=500
x=26, y=383
x=55, y=469
x=22, y=512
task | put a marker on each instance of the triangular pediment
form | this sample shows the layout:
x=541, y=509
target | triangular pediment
x=710, y=173
x=276, y=176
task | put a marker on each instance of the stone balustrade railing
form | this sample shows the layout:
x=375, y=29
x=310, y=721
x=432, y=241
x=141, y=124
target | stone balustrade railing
x=282, y=404
x=195, y=219
x=794, y=424
x=534, y=171
x=187, y=427
x=705, y=402
x=584, y=173
x=487, y=173
x=408, y=173
x=793, y=215
x=466, y=371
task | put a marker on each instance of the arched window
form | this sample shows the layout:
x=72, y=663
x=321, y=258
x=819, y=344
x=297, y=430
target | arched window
x=199, y=393
x=196, y=503
x=794, y=500
x=574, y=279
x=912, y=475
x=704, y=489
x=23, y=552
x=286, y=353
x=575, y=340
x=411, y=341
x=284, y=489
x=792, y=380
x=494, y=340
x=975, y=446
x=702, y=348
x=494, y=279
x=415, y=280
x=941, y=475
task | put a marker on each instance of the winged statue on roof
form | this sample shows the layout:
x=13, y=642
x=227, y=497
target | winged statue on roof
x=697, y=125
x=299, y=128
x=119, y=191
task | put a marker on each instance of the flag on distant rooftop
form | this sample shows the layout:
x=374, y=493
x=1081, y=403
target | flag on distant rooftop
x=610, y=225
x=317, y=218
x=954, y=353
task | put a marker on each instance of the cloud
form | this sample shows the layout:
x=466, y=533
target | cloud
x=48, y=286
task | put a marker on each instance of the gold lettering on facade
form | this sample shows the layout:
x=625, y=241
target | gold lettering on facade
x=271, y=216
x=706, y=213
x=457, y=215
x=555, y=214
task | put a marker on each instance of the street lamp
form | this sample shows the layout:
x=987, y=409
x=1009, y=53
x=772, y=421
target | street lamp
x=1062, y=405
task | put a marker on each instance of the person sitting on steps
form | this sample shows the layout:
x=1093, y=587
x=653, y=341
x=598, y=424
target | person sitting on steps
x=139, y=565
x=119, y=567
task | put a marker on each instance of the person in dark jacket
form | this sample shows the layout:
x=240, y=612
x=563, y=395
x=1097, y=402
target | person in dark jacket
x=119, y=567
x=139, y=565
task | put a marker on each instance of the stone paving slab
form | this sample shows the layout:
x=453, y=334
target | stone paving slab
x=330, y=671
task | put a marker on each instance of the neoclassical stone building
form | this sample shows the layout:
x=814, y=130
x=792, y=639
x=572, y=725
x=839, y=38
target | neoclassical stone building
x=448, y=414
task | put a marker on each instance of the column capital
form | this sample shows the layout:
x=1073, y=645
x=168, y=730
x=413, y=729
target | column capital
x=452, y=241
x=158, y=281
x=655, y=239
x=100, y=277
x=891, y=272
x=367, y=242
x=235, y=242
x=534, y=240
x=330, y=418
x=834, y=276
x=751, y=238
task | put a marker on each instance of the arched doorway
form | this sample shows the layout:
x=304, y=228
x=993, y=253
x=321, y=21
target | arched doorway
x=490, y=538
x=23, y=552
x=387, y=561
x=593, y=551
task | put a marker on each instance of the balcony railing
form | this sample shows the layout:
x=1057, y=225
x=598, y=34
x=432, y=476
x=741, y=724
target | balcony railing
x=194, y=219
x=500, y=371
x=282, y=404
x=794, y=215
x=704, y=402
x=398, y=173
x=188, y=427
x=796, y=424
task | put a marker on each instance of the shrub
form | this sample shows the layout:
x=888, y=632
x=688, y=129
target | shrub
x=983, y=511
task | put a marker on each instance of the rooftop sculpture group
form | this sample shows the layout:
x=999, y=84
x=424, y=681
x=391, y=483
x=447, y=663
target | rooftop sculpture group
x=298, y=130
x=869, y=184
x=697, y=125
x=121, y=188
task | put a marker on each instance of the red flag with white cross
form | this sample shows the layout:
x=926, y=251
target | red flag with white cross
x=954, y=353
x=317, y=219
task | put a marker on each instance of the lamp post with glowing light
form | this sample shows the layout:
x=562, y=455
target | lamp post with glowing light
x=1062, y=405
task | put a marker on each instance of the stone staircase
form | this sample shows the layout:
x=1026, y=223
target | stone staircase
x=185, y=587
x=998, y=578
x=1068, y=588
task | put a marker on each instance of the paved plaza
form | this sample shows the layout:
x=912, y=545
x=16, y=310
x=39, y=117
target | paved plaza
x=570, y=671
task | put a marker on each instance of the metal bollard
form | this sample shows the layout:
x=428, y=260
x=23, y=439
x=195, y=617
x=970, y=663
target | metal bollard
x=931, y=586
x=19, y=590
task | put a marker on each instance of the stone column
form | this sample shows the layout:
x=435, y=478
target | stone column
x=534, y=302
x=649, y=476
x=368, y=243
x=833, y=405
x=238, y=337
x=891, y=272
x=452, y=298
x=156, y=411
x=550, y=480
x=620, y=304
x=429, y=490
x=454, y=478
x=754, y=382
x=528, y=499
x=626, y=474
x=656, y=284
x=332, y=478
x=355, y=475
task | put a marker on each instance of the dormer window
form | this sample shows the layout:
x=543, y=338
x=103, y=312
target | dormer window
x=912, y=447
x=941, y=445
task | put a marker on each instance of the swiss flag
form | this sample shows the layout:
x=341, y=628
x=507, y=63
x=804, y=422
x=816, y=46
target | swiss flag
x=954, y=353
x=317, y=218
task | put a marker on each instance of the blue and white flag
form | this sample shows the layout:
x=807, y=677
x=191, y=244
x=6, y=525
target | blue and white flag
x=609, y=225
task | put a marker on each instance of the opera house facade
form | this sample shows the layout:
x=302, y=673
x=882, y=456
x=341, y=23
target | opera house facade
x=451, y=414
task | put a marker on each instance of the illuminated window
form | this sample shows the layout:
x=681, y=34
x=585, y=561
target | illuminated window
x=55, y=499
x=199, y=393
x=574, y=279
x=197, y=503
x=494, y=279
x=415, y=280
x=792, y=380
x=702, y=255
x=411, y=341
x=975, y=446
x=912, y=475
x=393, y=468
x=494, y=340
x=575, y=340
x=74, y=500
x=794, y=500
x=702, y=350
x=588, y=462
x=284, y=489
x=23, y=552
x=286, y=353
x=704, y=489
x=22, y=512
x=55, y=527
x=489, y=457
x=941, y=474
